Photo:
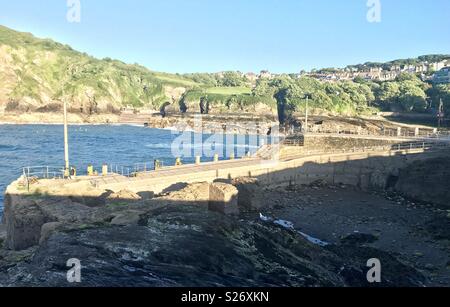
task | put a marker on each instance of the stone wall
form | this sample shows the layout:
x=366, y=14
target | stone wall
x=368, y=170
x=330, y=143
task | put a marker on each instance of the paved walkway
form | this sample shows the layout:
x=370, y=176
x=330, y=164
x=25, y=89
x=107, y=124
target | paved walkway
x=176, y=170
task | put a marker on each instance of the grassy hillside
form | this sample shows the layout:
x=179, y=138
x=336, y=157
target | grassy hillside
x=229, y=90
x=36, y=74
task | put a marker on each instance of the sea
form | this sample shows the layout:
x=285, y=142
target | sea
x=122, y=147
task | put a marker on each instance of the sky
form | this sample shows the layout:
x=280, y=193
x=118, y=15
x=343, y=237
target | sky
x=283, y=36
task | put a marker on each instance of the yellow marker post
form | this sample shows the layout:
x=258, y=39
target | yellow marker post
x=105, y=170
x=198, y=160
x=178, y=162
x=157, y=165
x=90, y=170
x=216, y=158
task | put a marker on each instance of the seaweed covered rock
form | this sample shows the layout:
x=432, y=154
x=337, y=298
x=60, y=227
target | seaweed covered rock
x=182, y=245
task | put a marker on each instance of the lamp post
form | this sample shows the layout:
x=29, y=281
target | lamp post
x=441, y=114
x=66, y=144
x=306, y=113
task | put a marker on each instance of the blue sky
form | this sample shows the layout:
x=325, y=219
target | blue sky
x=246, y=35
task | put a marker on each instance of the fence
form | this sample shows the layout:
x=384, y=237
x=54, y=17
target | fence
x=389, y=132
x=137, y=168
x=31, y=173
x=425, y=146
x=43, y=172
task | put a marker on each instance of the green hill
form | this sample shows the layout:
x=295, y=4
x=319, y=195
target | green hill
x=37, y=74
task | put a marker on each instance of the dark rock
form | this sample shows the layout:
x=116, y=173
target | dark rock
x=439, y=228
x=359, y=239
x=182, y=245
x=394, y=273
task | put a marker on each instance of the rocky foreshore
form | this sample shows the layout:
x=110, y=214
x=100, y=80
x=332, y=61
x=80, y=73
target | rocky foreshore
x=221, y=234
x=216, y=123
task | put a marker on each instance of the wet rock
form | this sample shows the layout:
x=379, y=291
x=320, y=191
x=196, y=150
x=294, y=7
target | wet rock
x=126, y=218
x=23, y=223
x=395, y=273
x=64, y=210
x=438, y=228
x=2, y=234
x=430, y=267
x=182, y=245
x=319, y=184
x=356, y=239
x=48, y=229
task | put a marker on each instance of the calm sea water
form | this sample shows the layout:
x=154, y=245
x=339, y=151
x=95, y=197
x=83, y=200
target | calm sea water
x=42, y=145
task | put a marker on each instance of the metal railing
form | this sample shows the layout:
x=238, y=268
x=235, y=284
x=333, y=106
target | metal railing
x=388, y=132
x=133, y=170
x=31, y=173
x=401, y=147
x=43, y=172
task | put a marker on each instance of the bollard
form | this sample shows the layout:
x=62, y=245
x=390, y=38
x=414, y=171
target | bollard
x=157, y=165
x=197, y=160
x=90, y=170
x=216, y=158
x=232, y=157
x=178, y=162
x=73, y=172
x=104, y=170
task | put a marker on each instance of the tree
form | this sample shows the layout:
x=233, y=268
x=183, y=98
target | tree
x=263, y=88
x=412, y=97
x=232, y=79
x=388, y=93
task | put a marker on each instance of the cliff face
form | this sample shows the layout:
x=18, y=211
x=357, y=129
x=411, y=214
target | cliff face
x=37, y=74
